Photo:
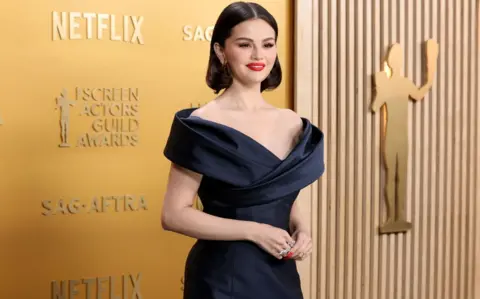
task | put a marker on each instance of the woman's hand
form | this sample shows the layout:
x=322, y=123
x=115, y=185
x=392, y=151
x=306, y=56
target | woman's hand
x=303, y=245
x=272, y=239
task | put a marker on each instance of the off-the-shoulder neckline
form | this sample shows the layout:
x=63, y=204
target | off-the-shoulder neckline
x=186, y=114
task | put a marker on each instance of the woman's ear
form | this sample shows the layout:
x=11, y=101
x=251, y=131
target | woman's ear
x=219, y=52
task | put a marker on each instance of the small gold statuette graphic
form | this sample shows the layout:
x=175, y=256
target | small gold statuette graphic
x=392, y=94
x=63, y=103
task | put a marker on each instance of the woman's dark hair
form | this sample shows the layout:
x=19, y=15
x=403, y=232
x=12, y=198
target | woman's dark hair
x=218, y=77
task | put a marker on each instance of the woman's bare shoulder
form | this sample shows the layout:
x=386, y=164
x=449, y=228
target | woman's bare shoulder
x=206, y=111
x=290, y=117
x=292, y=123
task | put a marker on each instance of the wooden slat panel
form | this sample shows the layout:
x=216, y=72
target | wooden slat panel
x=438, y=257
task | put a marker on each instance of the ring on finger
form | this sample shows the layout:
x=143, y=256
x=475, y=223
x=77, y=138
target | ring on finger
x=284, y=252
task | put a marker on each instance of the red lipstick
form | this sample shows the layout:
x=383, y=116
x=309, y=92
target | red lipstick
x=256, y=66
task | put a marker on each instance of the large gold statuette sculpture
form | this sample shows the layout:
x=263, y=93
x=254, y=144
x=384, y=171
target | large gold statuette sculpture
x=393, y=92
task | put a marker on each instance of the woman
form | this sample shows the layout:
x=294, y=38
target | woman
x=247, y=160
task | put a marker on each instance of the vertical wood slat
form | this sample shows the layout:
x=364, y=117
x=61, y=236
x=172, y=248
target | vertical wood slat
x=476, y=207
x=357, y=246
x=424, y=124
x=403, y=250
x=441, y=125
x=414, y=116
x=470, y=256
x=449, y=49
x=463, y=125
x=323, y=247
x=375, y=174
x=367, y=227
x=341, y=140
x=457, y=131
x=332, y=127
x=350, y=151
x=438, y=257
x=433, y=162
x=385, y=19
x=409, y=70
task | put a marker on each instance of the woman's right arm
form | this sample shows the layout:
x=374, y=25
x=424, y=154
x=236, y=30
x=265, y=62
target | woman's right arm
x=179, y=215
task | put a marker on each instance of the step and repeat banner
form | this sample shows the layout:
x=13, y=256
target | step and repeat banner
x=88, y=90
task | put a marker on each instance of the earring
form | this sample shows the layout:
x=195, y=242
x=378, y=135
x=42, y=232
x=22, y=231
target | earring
x=225, y=68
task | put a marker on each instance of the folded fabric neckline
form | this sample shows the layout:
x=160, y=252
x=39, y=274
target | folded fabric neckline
x=251, y=139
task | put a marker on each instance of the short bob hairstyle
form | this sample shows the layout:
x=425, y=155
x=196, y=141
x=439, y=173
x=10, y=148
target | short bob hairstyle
x=217, y=77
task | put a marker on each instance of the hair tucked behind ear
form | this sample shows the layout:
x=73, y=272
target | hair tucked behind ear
x=218, y=76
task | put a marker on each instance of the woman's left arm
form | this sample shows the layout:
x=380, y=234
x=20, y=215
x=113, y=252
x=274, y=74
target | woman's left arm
x=299, y=226
x=301, y=233
x=297, y=222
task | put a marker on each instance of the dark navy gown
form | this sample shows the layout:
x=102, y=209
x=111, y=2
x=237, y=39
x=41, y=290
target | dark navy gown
x=242, y=180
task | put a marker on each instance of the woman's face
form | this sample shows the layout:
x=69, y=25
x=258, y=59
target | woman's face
x=250, y=51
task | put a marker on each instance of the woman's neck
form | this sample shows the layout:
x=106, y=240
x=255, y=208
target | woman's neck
x=244, y=98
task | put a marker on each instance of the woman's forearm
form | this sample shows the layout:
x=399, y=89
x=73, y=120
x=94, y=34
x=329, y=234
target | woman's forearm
x=297, y=222
x=197, y=224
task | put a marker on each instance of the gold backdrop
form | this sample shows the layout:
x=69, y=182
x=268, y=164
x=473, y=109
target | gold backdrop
x=80, y=211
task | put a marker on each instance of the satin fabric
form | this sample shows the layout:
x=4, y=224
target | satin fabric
x=242, y=180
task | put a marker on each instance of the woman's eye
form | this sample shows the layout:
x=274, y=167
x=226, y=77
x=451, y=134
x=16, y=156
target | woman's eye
x=244, y=45
x=269, y=45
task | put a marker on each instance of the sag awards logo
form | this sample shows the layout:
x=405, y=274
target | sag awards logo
x=73, y=25
x=113, y=112
x=197, y=33
x=98, y=204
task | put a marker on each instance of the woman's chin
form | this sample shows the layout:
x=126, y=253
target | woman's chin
x=253, y=80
